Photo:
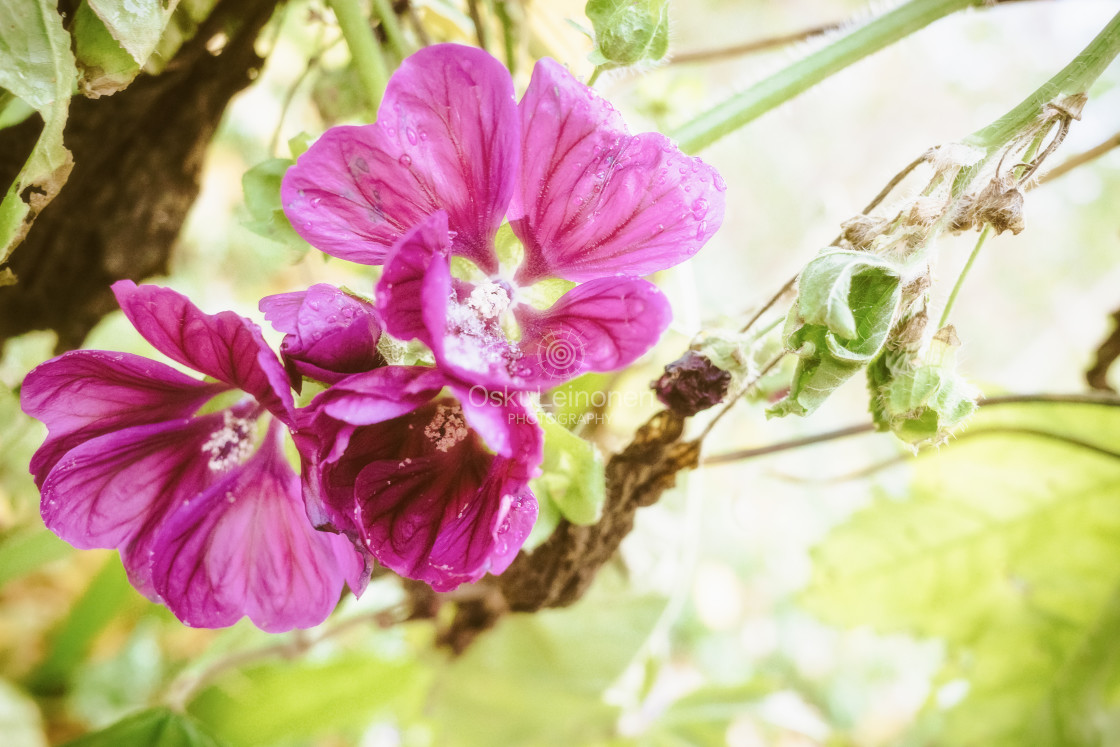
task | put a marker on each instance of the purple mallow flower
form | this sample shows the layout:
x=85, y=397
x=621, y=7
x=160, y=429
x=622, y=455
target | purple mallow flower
x=451, y=155
x=427, y=475
x=328, y=333
x=199, y=499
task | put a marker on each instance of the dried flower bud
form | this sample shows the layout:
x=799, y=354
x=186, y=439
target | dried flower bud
x=925, y=211
x=692, y=384
x=861, y=230
x=964, y=214
x=952, y=156
x=1001, y=206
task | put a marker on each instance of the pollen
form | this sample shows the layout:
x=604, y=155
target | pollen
x=447, y=428
x=231, y=444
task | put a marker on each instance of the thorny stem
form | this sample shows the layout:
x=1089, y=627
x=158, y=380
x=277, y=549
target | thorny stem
x=364, y=48
x=1109, y=400
x=964, y=273
x=773, y=42
x=1076, y=77
x=799, y=77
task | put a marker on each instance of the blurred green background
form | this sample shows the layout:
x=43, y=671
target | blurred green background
x=714, y=626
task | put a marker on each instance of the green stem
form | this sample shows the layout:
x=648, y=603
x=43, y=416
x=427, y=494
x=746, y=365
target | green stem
x=383, y=11
x=799, y=77
x=1076, y=77
x=364, y=48
x=964, y=273
x=595, y=75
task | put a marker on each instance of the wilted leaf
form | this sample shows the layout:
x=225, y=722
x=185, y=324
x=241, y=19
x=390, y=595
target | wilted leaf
x=37, y=66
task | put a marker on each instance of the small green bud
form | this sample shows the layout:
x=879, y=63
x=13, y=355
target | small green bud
x=628, y=31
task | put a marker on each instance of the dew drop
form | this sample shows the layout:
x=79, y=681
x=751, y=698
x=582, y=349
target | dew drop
x=411, y=134
x=405, y=160
x=717, y=180
x=701, y=229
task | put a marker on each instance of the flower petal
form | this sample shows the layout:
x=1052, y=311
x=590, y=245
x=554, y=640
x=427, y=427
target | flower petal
x=594, y=201
x=446, y=137
x=87, y=393
x=507, y=424
x=247, y=548
x=430, y=502
x=114, y=491
x=226, y=346
x=413, y=290
x=601, y=325
x=329, y=334
x=437, y=519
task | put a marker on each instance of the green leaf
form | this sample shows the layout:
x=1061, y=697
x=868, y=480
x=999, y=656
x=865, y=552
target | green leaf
x=539, y=679
x=22, y=552
x=1008, y=548
x=284, y=701
x=852, y=294
x=628, y=31
x=817, y=376
x=104, y=65
x=845, y=305
x=136, y=25
x=156, y=727
x=71, y=642
x=574, y=476
x=37, y=66
x=261, y=185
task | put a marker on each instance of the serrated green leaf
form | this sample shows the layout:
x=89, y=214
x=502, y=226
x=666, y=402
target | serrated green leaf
x=37, y=66
x=261, y=186
x=136, y=25
x=629, y=31
x=282, y=702
x=1008, y=548
x=156, y=727
x=574, y=476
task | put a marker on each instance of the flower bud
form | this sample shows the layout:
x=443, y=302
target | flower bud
x=692, y=384
x=628, y=31
x=1000, y=206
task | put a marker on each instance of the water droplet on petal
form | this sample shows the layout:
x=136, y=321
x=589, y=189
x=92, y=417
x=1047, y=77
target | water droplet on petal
x=405, y=160
x=411, y=134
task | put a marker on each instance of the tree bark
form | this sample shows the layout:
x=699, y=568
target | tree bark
x=138, y=157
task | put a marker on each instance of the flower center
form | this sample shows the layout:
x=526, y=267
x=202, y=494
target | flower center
x=231, y=444
x=447, y=427
x=476, y=326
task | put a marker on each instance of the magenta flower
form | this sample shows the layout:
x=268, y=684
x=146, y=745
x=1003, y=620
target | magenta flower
x=203, y=506
x=429, y=476
x=328, y=334
x=451, y=155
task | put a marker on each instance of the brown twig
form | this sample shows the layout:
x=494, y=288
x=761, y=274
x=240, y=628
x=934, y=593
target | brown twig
x=1080, y=159
x=1107, y=353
